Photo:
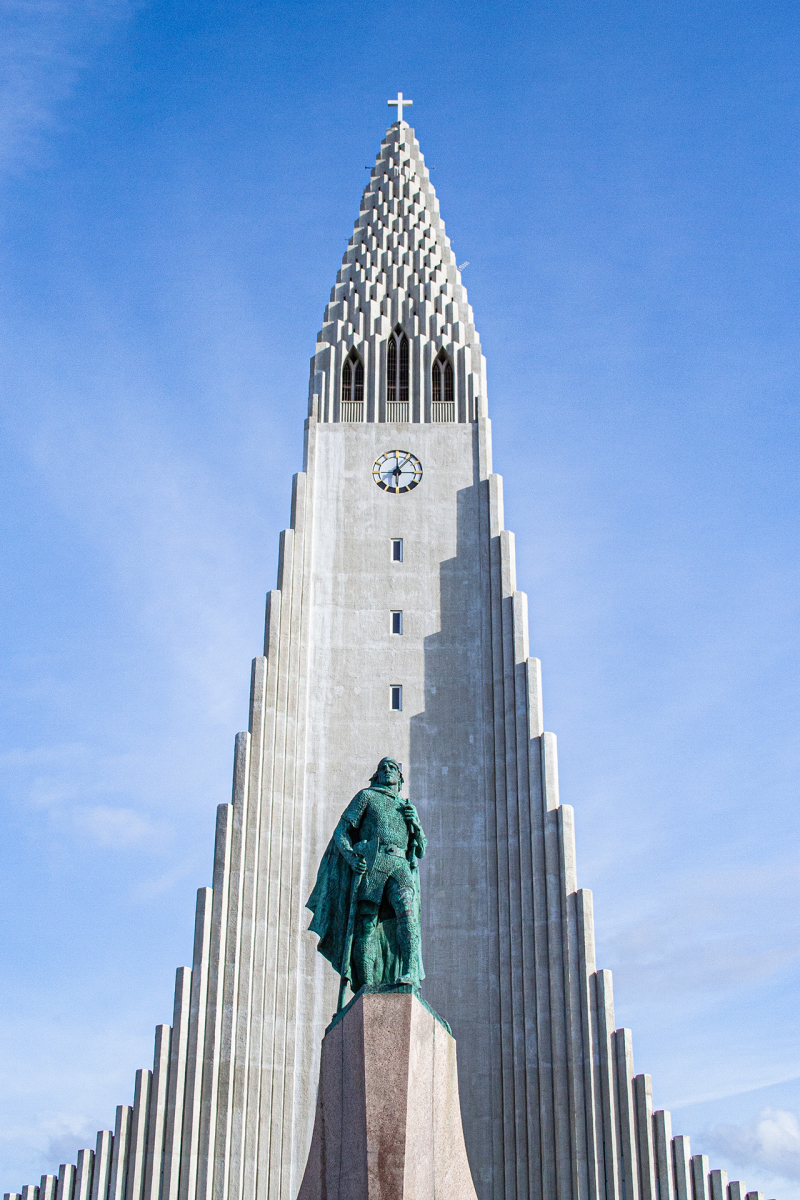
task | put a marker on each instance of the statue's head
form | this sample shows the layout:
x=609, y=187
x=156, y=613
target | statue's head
x=387, y=772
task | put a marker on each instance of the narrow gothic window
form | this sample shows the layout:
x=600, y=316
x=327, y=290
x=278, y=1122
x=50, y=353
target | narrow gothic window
x=391, y=371
x=397, y=371
x=397, y=621
x=397, y=549
x=443, y=392
x=397, y=698
x=403, y=396
x=352, y=387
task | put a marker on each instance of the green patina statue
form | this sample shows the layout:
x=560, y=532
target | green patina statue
x=366, y=898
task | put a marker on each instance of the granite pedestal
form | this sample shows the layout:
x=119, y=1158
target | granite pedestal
x=388, y=1117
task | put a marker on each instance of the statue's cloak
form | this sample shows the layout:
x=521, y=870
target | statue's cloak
x=330, y=904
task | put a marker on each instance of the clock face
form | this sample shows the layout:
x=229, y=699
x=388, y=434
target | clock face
x=397, y=471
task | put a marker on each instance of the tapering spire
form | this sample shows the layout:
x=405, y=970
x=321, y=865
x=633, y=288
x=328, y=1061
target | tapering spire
x=398, y=279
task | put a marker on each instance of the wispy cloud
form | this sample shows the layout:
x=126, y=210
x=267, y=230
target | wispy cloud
x=771, y=1141
x=45, y=45
x=709, y=938
x=77, y=786
x=118, y=827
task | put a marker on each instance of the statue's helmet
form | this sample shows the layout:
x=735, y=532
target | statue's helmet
x=387, y=762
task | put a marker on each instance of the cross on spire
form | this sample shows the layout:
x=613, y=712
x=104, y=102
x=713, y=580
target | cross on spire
x=400, y=103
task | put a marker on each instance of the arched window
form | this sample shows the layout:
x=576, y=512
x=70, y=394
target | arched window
x=444, y=406
x=353, y=388
x=391, y=371
x=397, y=376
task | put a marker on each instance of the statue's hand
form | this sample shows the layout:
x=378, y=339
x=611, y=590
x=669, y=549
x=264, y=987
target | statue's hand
x=359, y=864
x=410, y=813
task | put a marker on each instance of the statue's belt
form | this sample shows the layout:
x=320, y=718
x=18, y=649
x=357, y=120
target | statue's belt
x=371, y=849
x=383, y=861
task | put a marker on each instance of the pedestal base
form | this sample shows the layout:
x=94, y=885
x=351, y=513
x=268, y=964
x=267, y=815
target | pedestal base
x=388, y=1119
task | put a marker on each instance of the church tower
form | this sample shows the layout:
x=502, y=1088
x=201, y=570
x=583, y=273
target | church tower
x=396, y=628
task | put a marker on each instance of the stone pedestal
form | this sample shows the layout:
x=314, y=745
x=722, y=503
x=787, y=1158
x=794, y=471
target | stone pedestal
x=388, y=1119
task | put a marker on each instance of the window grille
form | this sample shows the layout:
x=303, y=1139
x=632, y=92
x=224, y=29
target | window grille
x=395, y=411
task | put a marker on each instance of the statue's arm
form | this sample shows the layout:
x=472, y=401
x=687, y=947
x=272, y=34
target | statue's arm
x=417, y=837
x=350, y=819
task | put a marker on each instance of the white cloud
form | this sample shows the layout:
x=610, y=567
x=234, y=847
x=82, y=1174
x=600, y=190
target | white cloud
x=770, y=1141
x=117, y=827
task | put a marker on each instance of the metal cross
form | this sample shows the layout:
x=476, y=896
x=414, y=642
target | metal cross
x=400, y=103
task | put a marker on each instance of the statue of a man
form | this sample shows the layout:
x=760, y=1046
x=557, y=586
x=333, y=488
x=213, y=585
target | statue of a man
x=366, y=898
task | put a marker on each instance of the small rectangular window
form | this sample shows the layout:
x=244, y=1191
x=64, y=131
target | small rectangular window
x=397, y=549
x=397, y=621
x=397, y=698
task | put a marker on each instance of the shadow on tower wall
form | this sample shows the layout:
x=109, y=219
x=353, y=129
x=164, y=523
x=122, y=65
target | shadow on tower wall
x=452, y=782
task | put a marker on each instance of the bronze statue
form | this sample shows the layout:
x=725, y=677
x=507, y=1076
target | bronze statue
x=366, y=898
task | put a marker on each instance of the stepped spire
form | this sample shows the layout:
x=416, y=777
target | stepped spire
x=398, y=283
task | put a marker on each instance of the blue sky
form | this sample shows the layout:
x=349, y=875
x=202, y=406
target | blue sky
x=178, y=185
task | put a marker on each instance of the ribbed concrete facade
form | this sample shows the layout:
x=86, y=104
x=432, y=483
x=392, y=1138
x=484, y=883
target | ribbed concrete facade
x=551, y=1106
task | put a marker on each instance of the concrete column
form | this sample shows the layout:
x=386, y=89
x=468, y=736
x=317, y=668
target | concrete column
x=102, y=1165
x=754, y=1196
x=628, y=1158
x=12, y=1195
x=506, y=840
x=591, y=1051
x=581, y=1108
x=283, y=911
x=682, y=1166
x=662, y=1147
x=48, y=1187
x=718, y=1184
x=736, y=1191
x=66, y=1182
x=214, y=1006
x=138, y=1146
x=643, y=1100
x=557, y=946
x=194, y=1051
x=241, y=773
x=247, y=924
x=30, y=1192
x=84, y=1169
x=700, y=1189
x=607, y=1091
x=119, y=1157
x=158, y=1114
x=176, y=1085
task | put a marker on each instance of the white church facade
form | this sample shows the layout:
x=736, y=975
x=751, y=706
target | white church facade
x=396, y=628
